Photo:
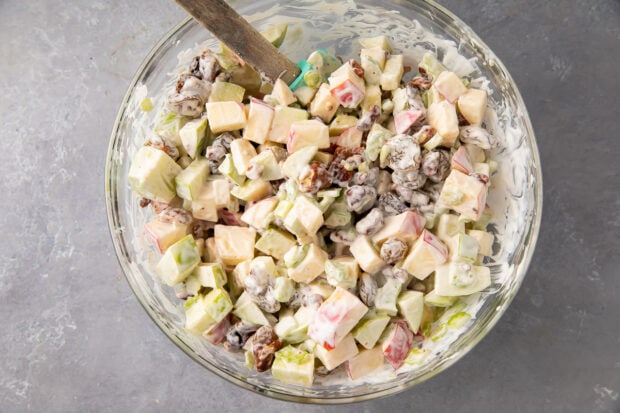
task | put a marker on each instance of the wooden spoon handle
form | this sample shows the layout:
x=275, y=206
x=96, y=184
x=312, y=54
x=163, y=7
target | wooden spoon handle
x=236, y=33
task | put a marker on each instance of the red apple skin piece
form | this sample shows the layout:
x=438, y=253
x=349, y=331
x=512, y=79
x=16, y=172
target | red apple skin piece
x=433, y=241
x=217, y=333
x=347, y=94
x=412, y=223
x=461, y=161
x=151, y=230
x=405, y=119
x=398, y=344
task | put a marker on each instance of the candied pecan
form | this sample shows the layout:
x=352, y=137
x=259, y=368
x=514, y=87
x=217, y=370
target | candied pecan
x=178, y=215
x=313, y=177
x=265, y=343
x=367, y=288
x=338, y=168
x=393, y=250
x=421, y=82
x=436, y=165
x=357, y=68
x=371, y=223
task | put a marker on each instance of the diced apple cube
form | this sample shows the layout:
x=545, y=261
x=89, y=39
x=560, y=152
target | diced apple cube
x=335, y=318
x=371, y=98
x=197, y=318
x=381, y=42
x=342, y=272
x=252, y=190
x=405, y=119
x=392, y=72
x=255, y=216
x=306, y=213
x=192, y=179
x=283, y=118
x=210, y=253
x=350, y=138
x=228, y=169
x=436, y=300
x=234, y=244
x=397, y=345
x=248, y=311
x=476, y=153
x=411, y=306
x=193, y=135
x=426, y=254
x=211, y=275
x=448, y=226
x=304, y=94
x=275, y=243
x=219, y=190
x=306, y=133
x=366, y=362
x=324, y=105
x=205, y=209
x=178, y=261
x=400, y=100
x=341, y=123
x=464, y=248
x=295, y=162
x=485, y=241
x=242, y=152
x=406, y=226
x=347, y=87
x=164, y=234
x=366, y=255
x=450, y=86
x=225, y=92
x=152, y=174
x=387, y=295
x=442, y=116
x=368, y=331
x=373, y=61
x=260, y=116
x=226, y=116
x=344, y=350
x=473, y=105
x=458, y=278
x=282, y=93
x=266, y=160
x=464, y=194
x=310, y=267
x=461, y=161
x=295, y=366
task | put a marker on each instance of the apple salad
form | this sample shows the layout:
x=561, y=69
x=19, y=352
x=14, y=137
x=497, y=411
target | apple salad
x=336, y=221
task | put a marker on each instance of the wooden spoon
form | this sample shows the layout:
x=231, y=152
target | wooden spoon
x=239, y=36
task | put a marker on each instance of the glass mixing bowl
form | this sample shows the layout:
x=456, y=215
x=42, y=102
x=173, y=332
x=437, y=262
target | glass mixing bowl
x=413, y=27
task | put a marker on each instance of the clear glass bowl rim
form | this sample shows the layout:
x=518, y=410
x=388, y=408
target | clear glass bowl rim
x=530, y=235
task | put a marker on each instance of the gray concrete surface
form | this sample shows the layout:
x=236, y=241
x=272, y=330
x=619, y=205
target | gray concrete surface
x=74, y=339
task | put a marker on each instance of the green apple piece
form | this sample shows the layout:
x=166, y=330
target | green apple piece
x=283, y=289
x=226, y=92
x=442, y=116
x=344, y=350
x=218, y=304
x=392, y=73
x=190, y=182
x=458, y=279
x=289, y=330
x=387, y=295
x=295, y=162
x=338, y=217
x=305, y=94
x=256, y=215
x=211, y=275
x=371, y=98
x=292, y=365
x=323, y=105
x=377, y=137
x=271, y=169
x=305, y=267
x=248, y=78
x=275, y=34
x=306, y=133
x=226, y=116
x=466, y=247
x=234, y=244
x=366, y=254
x=341, y=123
x=252, y=190
x=411, y=306
x=369, y=330
x=275, y=243
x=197, y=316
x=448, y=226
x=373, y=61
x=227, y=168
x=434, y=142
x=431, y=66
x=152, y=174
x=193, y=136
x=260, y=117
x=282, y=93
x=168, y=125
x=178, y=261
x=204, y=208
x=242, y=152
x=435, y=300
x=283, y=208
x=307, y=213
x=283, y=118
x=342, y=272
x=248, y=311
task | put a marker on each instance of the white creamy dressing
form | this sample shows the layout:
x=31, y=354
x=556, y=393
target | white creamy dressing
x=413, y=40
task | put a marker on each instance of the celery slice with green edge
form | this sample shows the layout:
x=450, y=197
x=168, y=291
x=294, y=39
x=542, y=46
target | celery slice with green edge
x=416, y=356
x=146, y=105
